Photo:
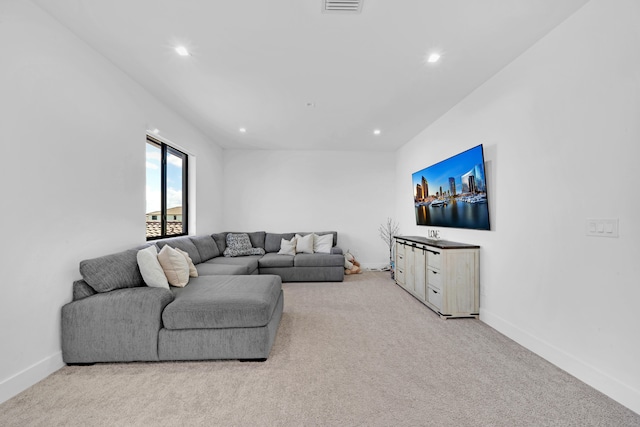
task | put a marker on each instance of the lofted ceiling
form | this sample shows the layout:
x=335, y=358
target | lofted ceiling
x=298, y=78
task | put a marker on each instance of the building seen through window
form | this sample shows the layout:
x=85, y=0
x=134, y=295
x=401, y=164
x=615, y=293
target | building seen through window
x=166, y=193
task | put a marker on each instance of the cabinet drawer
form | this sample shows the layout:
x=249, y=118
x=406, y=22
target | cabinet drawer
x=434, y=279
x=435, y=297
x=399, y=261
x=400, y=275
x=399, y=248
x=434, y=257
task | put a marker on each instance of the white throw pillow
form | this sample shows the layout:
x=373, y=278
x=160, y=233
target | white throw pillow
x=304, y=244
x=193, y=272
x=287, y=247
x=175, y=266
x=323, y=243
x=150, y=268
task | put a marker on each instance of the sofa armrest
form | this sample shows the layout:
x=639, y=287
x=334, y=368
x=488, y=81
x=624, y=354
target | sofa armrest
x=116, y=326
x=336, y=250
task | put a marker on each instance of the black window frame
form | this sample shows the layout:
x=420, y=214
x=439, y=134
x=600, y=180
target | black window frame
x=164, y=149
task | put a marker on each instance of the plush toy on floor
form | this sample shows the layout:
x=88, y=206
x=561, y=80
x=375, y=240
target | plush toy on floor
x=351, y=266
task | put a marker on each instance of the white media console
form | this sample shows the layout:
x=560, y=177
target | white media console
x=443, y=275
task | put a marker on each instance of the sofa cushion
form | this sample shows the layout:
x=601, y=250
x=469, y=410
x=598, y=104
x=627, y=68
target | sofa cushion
x=115, y=271
x=239, y=244
x=175, y=266
x=318, y=260
x=207, y=247
x=272, y=241
x=223, y=302
x=209, y=269
x=82, y=290
x=184, y=243
x=221, y=241
x=249, y=262
x=150, y=268
x=275, y=260
x=257, y=239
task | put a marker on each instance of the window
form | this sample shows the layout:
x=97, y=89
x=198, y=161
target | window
x=167, y=211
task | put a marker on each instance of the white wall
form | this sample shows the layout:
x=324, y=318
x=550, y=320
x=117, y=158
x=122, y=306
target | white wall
x=72, y=132
x=287, y=191
x=560, y=128
x=561, y=135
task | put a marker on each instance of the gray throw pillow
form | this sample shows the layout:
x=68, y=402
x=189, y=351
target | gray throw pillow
x=114, y=271
x=239, y=244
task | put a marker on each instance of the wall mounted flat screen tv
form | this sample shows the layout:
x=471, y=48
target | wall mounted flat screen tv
x=453, y=192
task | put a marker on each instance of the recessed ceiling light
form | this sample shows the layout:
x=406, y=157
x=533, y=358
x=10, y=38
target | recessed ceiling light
x=434, y=57
x=182, y=51
x=376, y=132
x=242, y=130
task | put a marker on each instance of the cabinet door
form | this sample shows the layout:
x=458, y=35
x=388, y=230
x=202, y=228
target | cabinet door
x=400, y=262
x=420, y=268
x=461, y=287
x=409, y=275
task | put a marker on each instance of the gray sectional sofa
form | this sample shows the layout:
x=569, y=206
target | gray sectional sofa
x=230, y=311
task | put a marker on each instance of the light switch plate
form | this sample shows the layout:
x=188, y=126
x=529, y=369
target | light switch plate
x=602, y=227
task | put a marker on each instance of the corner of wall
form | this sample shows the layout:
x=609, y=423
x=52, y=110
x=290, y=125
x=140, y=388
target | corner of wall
x=30, y=376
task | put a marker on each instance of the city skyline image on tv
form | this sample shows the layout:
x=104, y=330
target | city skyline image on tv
x=453, y=192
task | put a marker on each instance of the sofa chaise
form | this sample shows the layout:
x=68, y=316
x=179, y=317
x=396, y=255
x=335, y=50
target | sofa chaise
x=231, y=310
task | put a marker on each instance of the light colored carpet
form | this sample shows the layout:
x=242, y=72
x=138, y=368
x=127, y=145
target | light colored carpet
x=358, y=353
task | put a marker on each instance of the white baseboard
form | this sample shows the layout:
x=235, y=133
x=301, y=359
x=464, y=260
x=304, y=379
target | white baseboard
x=612, y=387
x=29, y=376
x=374, y=266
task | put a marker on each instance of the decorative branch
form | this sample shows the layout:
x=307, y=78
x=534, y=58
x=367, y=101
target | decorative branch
x=387, y=231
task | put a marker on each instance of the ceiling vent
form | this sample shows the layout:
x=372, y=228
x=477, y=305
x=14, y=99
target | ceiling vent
x=342, y=6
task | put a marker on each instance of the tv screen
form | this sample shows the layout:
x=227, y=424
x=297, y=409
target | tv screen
x=453, y=193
